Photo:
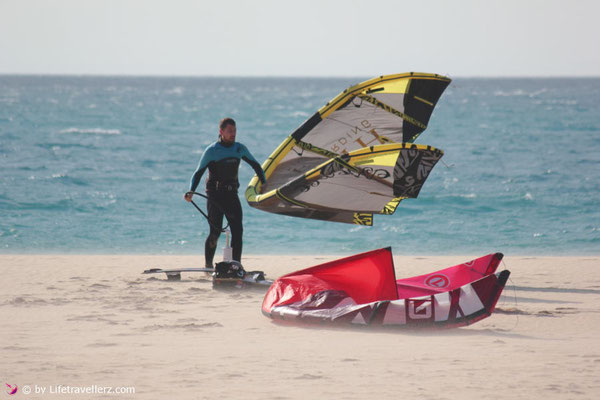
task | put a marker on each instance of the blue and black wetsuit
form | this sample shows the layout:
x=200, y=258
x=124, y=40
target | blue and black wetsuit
x=223, y=161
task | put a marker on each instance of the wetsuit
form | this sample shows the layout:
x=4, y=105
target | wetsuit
x=223, y=161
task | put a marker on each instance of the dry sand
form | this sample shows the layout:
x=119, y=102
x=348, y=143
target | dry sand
x=95, y=321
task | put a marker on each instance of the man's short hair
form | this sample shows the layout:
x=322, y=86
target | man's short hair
x=226, y=121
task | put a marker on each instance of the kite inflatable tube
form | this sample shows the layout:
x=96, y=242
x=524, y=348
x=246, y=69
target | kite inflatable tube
x=363, y=290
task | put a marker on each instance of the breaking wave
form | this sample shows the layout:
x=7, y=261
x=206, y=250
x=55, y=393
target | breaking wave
x=94, y=131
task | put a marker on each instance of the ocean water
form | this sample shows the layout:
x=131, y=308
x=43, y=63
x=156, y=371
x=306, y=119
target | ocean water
x=100, y=165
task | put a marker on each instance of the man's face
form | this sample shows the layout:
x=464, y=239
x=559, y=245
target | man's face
x=228, y=133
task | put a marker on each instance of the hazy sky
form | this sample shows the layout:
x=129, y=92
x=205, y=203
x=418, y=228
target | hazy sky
x=300, y=37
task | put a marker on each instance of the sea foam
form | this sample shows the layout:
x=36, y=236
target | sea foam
x=94, y=131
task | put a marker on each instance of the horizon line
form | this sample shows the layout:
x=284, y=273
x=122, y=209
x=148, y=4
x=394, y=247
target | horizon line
x=128, y=75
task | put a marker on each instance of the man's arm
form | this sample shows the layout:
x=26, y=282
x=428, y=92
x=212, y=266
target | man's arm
x=247, y=156
x=196, y=177
x=202, y=165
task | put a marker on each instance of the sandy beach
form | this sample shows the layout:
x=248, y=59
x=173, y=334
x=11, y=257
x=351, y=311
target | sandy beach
x=94, y=321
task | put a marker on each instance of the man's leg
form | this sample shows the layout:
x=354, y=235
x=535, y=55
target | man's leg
x=234, y=217
x=215, y=218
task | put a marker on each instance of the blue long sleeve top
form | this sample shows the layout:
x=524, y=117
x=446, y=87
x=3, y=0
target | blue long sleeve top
x=222, y=162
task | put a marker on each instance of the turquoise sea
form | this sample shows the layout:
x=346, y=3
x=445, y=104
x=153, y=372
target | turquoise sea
x=100, y=165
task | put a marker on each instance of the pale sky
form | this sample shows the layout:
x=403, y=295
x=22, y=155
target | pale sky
x=300, y=37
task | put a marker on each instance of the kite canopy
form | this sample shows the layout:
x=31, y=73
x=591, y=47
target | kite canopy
x=363, y=290
x=354, y=158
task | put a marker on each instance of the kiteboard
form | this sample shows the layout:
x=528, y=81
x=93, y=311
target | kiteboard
x=175, y=274
x=251, y=279
x=230, y=274
x=220, y=281
x=227, y=274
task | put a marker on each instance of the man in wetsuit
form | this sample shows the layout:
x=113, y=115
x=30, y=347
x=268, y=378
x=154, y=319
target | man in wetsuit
x=222, y=159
